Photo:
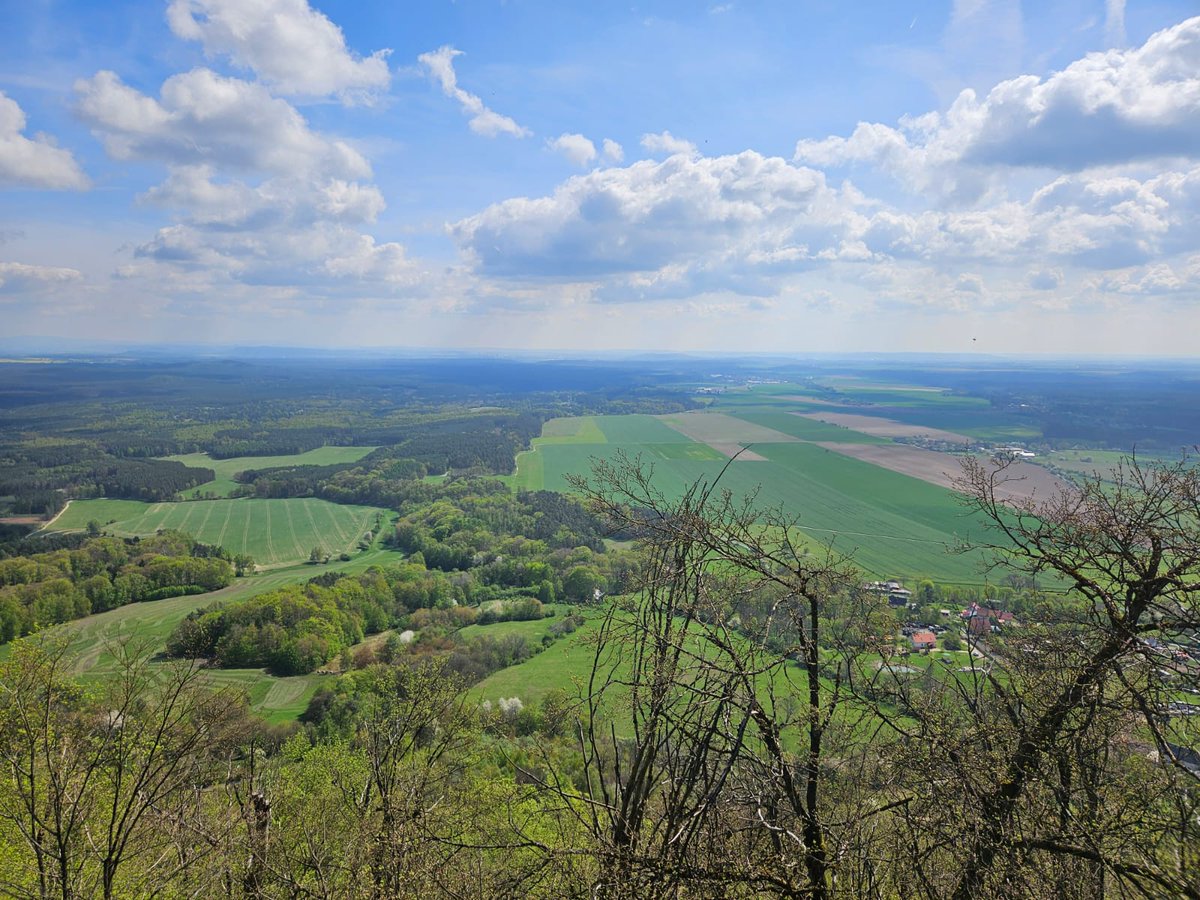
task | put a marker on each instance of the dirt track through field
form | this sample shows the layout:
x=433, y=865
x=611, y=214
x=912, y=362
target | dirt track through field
x=878, y=426
x=1026, y=479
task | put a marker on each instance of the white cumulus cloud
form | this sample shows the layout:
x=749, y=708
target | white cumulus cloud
x=291, y=46
x=202, y=117
x=665, y=142
x=1108, y=108
x=33, y=162
x=484, y=121
x=23, y=278
x=613, y=151
x=209, y=201
x=574, y=147
x=681, y=226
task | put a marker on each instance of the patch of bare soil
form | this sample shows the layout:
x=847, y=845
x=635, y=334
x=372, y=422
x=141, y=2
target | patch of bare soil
x=712, y=427
x=21, y=520
x=889, y=428
x=1025, y=479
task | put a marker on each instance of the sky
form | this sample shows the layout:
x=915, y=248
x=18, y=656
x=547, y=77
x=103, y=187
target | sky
x=787, y=177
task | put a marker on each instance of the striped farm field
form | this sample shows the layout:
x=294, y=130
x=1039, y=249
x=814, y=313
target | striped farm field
x=274, y=532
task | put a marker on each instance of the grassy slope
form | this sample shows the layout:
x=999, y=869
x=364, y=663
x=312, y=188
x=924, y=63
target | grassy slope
x=274, y=532
x=226, y=469
x=276, y=699
x=565, y=665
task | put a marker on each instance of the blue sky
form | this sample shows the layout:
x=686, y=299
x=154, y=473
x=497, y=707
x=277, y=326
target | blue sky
x=792, y=176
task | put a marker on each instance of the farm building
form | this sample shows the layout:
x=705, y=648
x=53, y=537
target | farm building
x=897, y=594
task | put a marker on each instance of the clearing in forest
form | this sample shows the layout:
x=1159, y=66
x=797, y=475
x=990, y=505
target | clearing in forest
x=227, y=469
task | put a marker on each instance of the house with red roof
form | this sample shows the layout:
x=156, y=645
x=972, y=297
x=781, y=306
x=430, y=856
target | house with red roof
x=982, y=620
x=923, y=640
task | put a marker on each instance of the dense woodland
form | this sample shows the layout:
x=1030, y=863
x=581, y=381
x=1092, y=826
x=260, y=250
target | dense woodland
x=91, y=428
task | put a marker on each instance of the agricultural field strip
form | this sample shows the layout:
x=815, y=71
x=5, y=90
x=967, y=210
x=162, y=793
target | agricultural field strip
x=884, y=427
x=312, y=521
x=268, y=534
x=224, y=526
x=719, y=428
x=335, y=526
x=1026, y=480
x=207, y=516
x=923, y=409
x=187, y=517
x=297, y=549
x=246, y=533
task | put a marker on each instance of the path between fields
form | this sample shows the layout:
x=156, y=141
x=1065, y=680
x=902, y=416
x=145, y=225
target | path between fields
x=46, y=527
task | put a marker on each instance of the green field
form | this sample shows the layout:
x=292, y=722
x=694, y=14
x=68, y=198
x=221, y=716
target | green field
x=1098, y=462
x=532, y=630
x=274, y=532
x=567, y=666
x=895, y=525
x=807, y=429
x=226, y=469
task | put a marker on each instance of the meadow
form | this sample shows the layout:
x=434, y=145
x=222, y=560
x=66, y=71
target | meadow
x=274, y=532
x=227, y=469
